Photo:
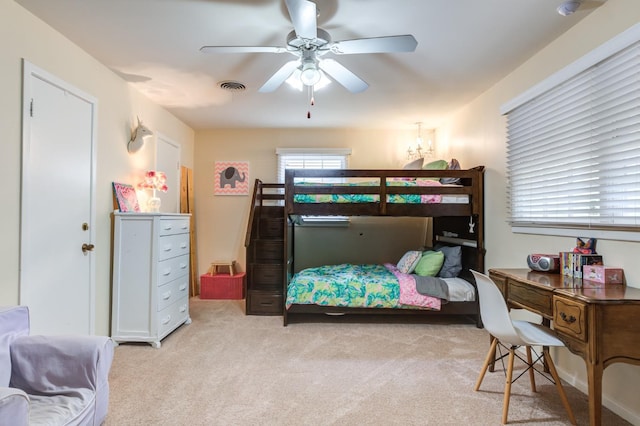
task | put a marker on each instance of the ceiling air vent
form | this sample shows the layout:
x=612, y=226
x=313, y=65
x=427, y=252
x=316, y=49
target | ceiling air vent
x=232, y=86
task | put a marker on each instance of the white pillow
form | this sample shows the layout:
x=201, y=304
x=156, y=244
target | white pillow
x=408, y=262
x=414, y=165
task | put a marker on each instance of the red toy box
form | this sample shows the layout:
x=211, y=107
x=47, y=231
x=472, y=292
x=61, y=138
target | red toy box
x=603, y=274
x=222, y=286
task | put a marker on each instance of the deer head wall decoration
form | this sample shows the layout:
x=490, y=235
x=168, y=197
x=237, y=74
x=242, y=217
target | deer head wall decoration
x=138, y=136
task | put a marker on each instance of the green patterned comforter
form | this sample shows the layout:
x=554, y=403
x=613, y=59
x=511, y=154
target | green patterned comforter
x=370, y=198
x=370, y=286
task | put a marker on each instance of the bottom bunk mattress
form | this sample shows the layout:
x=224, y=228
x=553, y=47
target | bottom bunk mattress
x=374, y=286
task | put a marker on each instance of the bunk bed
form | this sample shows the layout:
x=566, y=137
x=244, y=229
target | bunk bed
x=456, y=211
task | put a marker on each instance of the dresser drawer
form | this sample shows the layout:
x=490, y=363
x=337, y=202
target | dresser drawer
x=172, y=291
x=174, y=226
x=533, y=298
x=173, y=245
x=173, y=315
x=171, y=269
x=570, y=317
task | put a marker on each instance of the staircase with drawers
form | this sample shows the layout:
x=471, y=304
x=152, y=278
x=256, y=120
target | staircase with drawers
x=265, y=252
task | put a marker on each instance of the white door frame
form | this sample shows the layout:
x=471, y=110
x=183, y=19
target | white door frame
x=31, y=71
x=160, y=139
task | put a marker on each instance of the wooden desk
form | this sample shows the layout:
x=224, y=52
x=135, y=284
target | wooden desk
x=600, y=324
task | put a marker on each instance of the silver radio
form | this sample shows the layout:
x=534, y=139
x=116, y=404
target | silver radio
x=544, y=262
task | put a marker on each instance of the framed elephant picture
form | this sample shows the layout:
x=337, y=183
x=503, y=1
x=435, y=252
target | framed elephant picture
x=231, y=178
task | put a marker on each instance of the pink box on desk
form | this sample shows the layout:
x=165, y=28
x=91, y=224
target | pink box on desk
x=603, y=274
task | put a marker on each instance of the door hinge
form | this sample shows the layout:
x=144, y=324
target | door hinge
x=31, y=108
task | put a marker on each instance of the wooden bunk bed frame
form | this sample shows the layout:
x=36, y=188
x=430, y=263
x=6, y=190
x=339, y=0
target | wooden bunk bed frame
x=451, y=223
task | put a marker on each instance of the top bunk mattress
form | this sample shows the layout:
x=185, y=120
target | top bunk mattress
x=375, y=198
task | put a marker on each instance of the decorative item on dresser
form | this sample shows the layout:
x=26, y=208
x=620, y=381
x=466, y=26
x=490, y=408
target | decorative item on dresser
x=154, y=180
x=150, y=291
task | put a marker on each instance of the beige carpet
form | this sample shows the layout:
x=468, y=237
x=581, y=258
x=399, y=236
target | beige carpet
x=230, y=369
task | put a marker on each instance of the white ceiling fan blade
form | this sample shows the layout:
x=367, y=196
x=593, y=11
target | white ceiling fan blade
x=390, y=44
x=242, y=49
x=339, y=73
x=304, y=17
x=279, y=77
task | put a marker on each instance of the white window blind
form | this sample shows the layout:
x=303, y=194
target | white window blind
x=310, y=158
x=573, y=157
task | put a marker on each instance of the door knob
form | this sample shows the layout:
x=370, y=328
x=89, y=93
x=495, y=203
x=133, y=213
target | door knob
x=87, y=247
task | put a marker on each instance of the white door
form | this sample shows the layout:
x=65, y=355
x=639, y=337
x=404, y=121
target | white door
x=58, y=215
x=168, y=161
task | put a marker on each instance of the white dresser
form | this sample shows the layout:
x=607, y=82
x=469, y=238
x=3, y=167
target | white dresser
x=150, y=289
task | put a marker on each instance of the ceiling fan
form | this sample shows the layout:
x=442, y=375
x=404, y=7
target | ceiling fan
x=309, y=44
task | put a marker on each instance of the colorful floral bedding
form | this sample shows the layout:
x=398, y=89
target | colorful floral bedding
x=371, y=198
x=361, y=286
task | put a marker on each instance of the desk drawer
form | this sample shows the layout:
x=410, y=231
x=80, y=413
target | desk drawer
x=501, y=282
x=570, y=317
x=536, y=299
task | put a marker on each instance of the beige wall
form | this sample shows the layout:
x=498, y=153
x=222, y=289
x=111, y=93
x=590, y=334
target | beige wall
x=480, y=131
x=24, y=36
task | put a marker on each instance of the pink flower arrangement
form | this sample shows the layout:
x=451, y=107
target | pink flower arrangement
x=154, y=180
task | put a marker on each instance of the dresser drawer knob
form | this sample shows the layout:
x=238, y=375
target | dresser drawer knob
x=570, y=319
x=183, y=287
x=166, y=320
x=166, y=272
x=167, y=248
x=183, y=266
x=166, y=295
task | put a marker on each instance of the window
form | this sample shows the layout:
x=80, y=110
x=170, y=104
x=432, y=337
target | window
x=311, y=158
x=573, y=157
x=314, y=158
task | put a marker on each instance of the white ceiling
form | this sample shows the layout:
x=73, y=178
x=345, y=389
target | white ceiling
x=464, y=47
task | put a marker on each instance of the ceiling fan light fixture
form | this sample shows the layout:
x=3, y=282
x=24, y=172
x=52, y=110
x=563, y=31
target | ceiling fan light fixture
x=310, y=74
x=295, y=81
x=567, y=7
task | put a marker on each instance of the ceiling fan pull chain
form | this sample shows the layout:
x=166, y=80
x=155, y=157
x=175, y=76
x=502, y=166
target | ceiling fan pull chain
x=310, y=100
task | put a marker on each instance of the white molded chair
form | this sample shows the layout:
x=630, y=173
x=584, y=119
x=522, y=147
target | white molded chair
x=512, y=334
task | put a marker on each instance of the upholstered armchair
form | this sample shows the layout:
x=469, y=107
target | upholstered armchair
x=53, y=380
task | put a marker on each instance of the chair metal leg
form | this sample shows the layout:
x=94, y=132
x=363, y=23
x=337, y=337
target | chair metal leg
x=556, y=378
x=507, y=385
x=532, y=378
x=489, y=360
